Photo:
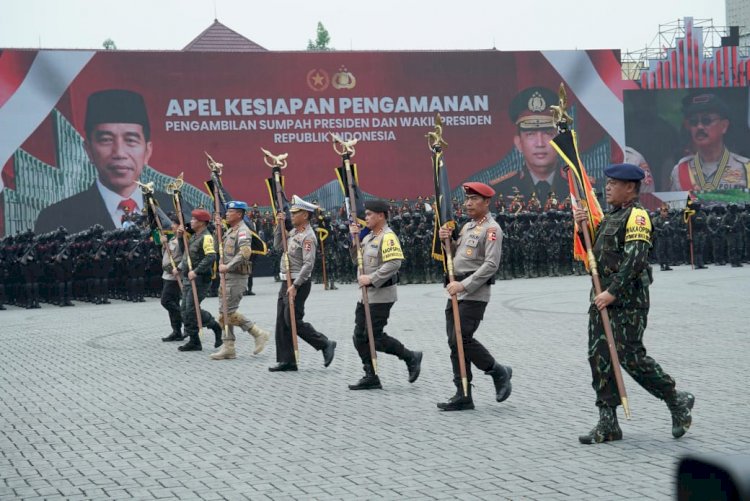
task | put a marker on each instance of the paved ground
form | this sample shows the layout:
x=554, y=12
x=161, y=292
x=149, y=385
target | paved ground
x=93, y=405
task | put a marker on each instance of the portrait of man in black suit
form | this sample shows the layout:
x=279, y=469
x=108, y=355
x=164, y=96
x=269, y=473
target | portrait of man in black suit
x=541, y=171
x=118, y=143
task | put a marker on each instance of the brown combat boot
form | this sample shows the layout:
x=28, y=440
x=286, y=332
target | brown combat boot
x=261, y=337
x=226, y=352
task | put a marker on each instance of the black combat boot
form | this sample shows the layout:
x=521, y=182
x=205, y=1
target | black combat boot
x=414, y=364
x=328, y=353
x=175, y=336
x=606, y=430
x=284, y=367
x=501, y=375
x=68, y=293
x=193, y=345
x=216, y=327
x=458, y=402
x=370, y=381
x=680, y=405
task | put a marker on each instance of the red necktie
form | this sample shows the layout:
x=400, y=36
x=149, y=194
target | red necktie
x=128, y=204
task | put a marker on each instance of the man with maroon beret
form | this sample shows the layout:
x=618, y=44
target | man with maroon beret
x=476, y=258
x=201, y=255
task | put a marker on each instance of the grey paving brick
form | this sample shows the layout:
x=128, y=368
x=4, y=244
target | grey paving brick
x=98, y=407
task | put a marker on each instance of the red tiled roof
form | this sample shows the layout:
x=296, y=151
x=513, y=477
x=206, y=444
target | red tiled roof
x=219, y=38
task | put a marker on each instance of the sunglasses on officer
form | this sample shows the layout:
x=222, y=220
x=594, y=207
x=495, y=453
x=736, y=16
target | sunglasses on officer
x=704, y=120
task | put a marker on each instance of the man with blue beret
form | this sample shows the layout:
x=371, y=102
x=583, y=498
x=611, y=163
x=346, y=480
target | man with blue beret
x=237, y=250
x=621, y=247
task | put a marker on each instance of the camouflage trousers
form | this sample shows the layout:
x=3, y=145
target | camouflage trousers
x=628, y=325
x=236, y=287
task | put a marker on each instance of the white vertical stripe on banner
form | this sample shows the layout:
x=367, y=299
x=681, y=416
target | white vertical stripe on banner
x=49, y=76
x=579, y=73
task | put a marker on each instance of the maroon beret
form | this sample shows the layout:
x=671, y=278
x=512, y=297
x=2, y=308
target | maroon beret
x=201, y=215
x=480, y=189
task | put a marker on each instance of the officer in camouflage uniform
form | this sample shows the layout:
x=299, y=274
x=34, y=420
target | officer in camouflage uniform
x=621, y=246
x=697, y=232
x=477, y=255
x=202, y=252
x=717, y=234
x=236, y=267
x=301, y=247
x=732, y=223
x=382, y=258
x=663, y=237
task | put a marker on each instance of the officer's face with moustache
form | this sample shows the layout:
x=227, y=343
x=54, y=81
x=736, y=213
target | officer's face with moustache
x=707, y=129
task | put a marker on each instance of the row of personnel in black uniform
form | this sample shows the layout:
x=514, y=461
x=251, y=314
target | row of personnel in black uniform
x=622, y=244
x=95, y=265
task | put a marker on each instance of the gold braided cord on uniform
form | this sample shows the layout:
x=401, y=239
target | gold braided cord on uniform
x=698, y=172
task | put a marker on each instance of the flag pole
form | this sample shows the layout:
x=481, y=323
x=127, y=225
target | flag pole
x=564, y=122
x=278, y=162
x=174, y=188
x=346, y=150
x=436, y=143
x=216, y=170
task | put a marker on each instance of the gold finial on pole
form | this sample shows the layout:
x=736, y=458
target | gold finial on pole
x=343, y=147
x=272, y=160
x=435, y=138
x=559, y=112
x=146, y=188
x=215, y=166
x=175, y=185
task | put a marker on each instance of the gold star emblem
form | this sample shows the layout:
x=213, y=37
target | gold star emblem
x=317, y=79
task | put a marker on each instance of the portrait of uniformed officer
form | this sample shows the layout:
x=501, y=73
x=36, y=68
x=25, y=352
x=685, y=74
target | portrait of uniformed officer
x=541, y=171
x=712, y=166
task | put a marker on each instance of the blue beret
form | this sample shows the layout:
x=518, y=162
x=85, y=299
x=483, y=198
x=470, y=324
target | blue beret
x=236, y=204
x=624, y=172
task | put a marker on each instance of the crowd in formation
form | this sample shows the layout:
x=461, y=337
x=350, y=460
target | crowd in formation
x=95, y=265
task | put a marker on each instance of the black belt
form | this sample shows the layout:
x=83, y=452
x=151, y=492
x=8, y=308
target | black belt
x=391, y=281
x=461, y=278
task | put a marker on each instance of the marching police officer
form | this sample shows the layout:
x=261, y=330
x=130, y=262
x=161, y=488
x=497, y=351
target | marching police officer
x=301, y=247
x=477, y=253
x=382, y=257
x=236, y=265
x=171, y=293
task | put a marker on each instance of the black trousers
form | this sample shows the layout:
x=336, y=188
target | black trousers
x=471, y=314
x=284, y=346
x=379, y=313
x=170, y=300
x=188, y=306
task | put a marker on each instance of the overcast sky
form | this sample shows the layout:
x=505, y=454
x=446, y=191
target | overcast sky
x=353, y=24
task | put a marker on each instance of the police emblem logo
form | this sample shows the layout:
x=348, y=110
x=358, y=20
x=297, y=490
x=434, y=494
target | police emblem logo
x=308, y=245
x=469, y=252
x=536, y=102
